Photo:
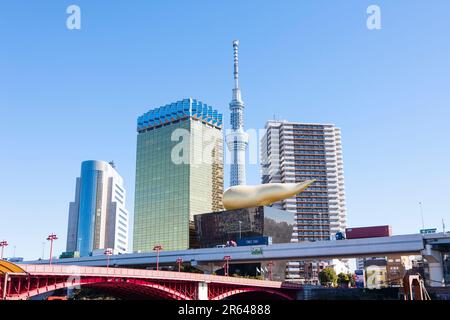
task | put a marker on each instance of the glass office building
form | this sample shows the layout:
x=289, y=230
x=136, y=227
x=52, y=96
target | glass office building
x=216, y=228
x=98, y=218
x=179, y=172
x=246, y=227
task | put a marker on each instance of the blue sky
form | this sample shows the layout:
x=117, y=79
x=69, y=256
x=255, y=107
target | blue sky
x=67, y=96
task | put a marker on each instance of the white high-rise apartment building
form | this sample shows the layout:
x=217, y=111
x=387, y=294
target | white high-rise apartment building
x=98, y=219
x=294, y=152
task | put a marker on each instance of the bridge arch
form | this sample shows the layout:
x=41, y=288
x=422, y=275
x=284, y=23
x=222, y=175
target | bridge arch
x=132, y=286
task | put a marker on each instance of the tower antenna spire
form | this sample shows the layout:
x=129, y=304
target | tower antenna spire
x=236, y=63
x=236, y=90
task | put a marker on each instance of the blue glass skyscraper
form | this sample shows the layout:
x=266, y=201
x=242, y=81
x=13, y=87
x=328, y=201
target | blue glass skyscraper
x=98, y=218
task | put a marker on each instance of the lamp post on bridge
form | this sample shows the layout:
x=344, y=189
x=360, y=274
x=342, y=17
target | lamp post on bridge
x=227, y=266
x=157, y=248
x=108, y=252
x=51, y=238
x=179, y=261
x=3, y=244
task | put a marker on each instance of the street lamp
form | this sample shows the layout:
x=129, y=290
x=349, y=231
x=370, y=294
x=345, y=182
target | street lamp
x=227, y=266
x=51, y=238
x=179, y=261
x=108, y=252
x=270, y=264
x=3, y=244
x=157, y=248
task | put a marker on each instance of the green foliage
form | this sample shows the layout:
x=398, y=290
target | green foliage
x=91, y=294
x=344, y=280
x=235, y=275
x=328, y=277
x=189, y=269
x=352, y=280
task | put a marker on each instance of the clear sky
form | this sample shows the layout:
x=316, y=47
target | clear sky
x=72, y=95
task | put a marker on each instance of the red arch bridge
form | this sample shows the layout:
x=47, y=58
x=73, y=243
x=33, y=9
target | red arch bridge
x=27, y=281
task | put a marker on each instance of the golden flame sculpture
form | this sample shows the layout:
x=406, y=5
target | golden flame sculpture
x=242, y=196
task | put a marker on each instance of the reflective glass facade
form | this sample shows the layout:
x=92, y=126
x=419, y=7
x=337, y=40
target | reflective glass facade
x=98, y=218
x=162, y=192
x=88, y=208
x=170, y=192
x=216, y=228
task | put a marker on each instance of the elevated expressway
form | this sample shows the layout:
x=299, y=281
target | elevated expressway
x=428, y=245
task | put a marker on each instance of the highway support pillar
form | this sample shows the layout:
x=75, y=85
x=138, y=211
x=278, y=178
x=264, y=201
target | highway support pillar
x=5, y=286
x=208, y=268
x=203, y=291
x=435, y=266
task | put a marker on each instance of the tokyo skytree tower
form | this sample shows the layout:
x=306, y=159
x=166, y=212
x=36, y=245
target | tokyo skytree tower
x=237, y=140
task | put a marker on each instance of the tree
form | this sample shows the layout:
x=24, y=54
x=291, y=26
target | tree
x=346, y=280
x=352, y=280
x=343, y=279
x=91, y=294
x=328, y=277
